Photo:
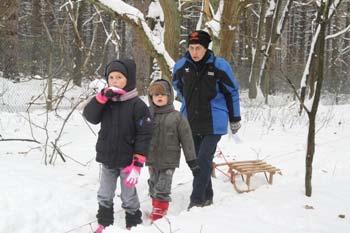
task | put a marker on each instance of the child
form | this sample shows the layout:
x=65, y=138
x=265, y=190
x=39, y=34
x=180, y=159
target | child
x=123, y=141
x=171, y=130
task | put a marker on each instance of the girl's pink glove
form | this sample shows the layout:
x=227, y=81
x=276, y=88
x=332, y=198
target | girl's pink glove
x=108, y=93
x=134, y=170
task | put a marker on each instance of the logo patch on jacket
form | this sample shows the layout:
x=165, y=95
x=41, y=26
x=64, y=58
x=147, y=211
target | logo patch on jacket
x=187, y=69
x=147, y=120
x=211, y=73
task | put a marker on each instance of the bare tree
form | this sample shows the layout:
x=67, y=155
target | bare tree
x=8, y=30
x=138, y=23
x=172, y=27
x=256, y=53
x=140, y=54
x=79, y=48
x=313, y=79
x=228, y=23
x=36, y=31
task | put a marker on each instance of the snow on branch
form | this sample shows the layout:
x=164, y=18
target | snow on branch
x=345, y=30
x=270, y=11
x=214, y=24
x=333, y=7
x=283, y=17
x=306, y=72
x=137, y=19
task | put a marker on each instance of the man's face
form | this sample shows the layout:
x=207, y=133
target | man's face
x=197, y=51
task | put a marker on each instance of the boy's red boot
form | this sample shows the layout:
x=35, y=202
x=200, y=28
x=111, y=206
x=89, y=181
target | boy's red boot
x=160, y=209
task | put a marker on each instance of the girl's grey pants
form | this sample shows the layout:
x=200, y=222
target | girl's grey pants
x=108, y=186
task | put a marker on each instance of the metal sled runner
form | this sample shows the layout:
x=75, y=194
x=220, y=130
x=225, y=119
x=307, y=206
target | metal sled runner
x=246, y=168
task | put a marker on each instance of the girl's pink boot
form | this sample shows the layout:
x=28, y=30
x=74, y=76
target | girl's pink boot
x=99, y=229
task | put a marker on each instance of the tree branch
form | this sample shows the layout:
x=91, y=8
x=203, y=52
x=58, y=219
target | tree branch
x=18, y=139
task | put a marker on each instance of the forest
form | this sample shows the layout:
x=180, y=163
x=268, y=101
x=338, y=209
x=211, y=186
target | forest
x=268, y=42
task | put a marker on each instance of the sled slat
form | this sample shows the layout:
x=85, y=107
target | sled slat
x=247, y=169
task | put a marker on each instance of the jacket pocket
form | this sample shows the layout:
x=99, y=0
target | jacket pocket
x=172, y=157
x=101, y=141
x=127, y=147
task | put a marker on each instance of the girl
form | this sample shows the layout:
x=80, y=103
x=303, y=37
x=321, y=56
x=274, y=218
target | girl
x=123, y=141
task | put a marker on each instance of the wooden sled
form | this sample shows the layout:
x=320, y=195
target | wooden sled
x=246, y=168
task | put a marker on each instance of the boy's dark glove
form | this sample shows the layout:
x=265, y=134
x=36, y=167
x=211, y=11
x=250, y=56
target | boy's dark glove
x=193, y=164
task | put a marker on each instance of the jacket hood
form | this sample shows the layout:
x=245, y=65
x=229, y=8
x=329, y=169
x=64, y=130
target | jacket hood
x=169, y=90
x=127, y=67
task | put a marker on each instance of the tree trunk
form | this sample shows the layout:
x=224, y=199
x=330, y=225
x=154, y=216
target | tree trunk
x=310, y=150
x=229, y=20
x=37, y=41
x=256, y=60
x=78, y=49
x=164, y=60
x=172, y=27
x=269, y=52
x=8, y=30
x=346, y=66
x=49, y=81
x=323, y=11
x=140, y=55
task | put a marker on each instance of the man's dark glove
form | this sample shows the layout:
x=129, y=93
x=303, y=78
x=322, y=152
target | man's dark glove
x=235, y=126
x=193, y=164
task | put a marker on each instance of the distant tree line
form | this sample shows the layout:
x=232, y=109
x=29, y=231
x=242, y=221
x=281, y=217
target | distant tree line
x=265, y=40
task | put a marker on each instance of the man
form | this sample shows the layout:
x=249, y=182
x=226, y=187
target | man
x=209, y=94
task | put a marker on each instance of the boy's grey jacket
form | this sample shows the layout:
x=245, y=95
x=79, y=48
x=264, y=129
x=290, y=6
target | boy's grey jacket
x=171, y=131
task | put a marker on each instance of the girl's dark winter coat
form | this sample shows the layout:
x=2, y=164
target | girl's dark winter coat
x=125, y=130
x=126, y=127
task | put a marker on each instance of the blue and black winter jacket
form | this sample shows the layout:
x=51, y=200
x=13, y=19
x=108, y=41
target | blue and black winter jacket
x=210, y=97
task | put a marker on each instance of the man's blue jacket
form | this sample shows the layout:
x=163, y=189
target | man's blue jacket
x=209, y=96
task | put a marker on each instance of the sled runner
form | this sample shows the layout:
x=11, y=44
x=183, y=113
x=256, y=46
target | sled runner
x=246, y=169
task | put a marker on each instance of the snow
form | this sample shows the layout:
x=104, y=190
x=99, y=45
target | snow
x=214, y=24
x=62, y=197
x=270, y=11
x=132, y=13
x=155, y=11
x=283, y=17
x=303, y=82
x=341, y=32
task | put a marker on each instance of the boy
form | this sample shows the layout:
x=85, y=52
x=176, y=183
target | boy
x=170, y=131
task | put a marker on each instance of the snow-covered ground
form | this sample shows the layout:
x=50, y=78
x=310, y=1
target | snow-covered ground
x=61, y=198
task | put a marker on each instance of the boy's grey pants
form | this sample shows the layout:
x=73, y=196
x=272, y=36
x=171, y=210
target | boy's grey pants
x=159, y=183
x=108, y=185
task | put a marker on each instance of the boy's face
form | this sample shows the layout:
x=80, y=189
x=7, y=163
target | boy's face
x=117, y=79
x=160, y=99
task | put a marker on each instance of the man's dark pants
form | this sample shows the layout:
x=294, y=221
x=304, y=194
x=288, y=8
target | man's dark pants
x=205, y=146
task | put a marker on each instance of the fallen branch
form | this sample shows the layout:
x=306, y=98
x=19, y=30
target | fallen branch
x=18, y=139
